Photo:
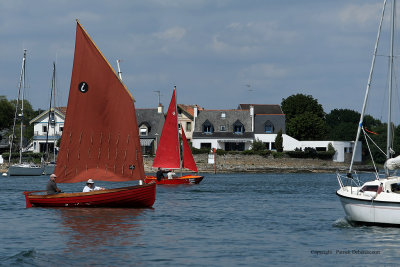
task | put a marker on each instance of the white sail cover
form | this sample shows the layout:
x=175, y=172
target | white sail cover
x=393, y=164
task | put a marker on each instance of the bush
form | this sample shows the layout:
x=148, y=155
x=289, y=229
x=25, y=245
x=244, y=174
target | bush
x=200, y=151
x=221, y=152
x=312, y=153
x=278, y=155
x=248, y=152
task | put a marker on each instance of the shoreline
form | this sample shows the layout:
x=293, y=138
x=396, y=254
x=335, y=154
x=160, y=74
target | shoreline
x=231, y=163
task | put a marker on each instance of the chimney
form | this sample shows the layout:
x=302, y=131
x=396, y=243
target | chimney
x=160, y=108
x=252, y=117
x=195, y=110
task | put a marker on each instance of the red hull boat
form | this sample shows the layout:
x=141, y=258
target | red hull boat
x=125, y=197
x=100, y=138
x=168, y=155
x=187, y=179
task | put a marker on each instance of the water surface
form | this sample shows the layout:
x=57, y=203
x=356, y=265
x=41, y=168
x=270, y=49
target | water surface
x=227, y=220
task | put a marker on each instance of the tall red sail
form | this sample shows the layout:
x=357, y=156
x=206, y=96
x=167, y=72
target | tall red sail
x=188, y=160
x=100, y=138
x=168, y=154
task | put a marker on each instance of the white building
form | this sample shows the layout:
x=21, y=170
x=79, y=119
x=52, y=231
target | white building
x=344, y=149
x=47, y=126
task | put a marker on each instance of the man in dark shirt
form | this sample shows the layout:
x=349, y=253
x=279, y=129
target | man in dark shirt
x=160, y=174
x=52, y=186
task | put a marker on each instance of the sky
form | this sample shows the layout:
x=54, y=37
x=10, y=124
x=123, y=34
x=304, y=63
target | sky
x=219, y=53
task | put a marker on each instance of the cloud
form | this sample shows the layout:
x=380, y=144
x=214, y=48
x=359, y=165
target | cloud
x=363, y=15
x=263, y=71
x=174, y=33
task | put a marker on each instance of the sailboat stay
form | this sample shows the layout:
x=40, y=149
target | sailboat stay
x=100, y=140
x=168, y=155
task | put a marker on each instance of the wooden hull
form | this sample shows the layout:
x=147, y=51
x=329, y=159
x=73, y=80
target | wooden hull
x=187, y=179
x=139, y=196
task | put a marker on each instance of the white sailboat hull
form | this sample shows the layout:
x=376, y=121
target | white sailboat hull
x=25, y=170
x=383, y=209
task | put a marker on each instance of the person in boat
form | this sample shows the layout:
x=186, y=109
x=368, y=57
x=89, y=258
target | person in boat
x=91, y=187
x=171, y=174
x=160, y=174
x=51, y=186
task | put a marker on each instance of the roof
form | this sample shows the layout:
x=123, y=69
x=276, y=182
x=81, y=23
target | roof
x=189, y=109
x=224, y=135
x=60, y=111
x=225, y=118
x=150, y=116
x=263, y=108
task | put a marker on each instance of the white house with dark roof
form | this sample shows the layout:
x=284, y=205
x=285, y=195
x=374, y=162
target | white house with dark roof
x=230, y=130
x=268, y=120
x=48, y=125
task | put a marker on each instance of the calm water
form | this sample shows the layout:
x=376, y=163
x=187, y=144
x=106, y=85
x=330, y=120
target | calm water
x=227, y=220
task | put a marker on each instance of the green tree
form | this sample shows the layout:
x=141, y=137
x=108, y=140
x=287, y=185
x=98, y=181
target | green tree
x=298, y=104
x=6, y=113
x=304, y=117
x=307, y=126
x=258, y=146
x=279, y=141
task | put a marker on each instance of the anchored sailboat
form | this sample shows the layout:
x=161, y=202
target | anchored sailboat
x=21, y=168
x=376, y=202
x=168, y=155
x=100, y=140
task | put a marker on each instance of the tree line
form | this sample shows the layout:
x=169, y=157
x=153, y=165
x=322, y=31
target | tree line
x=306, y=120
x=7, y=113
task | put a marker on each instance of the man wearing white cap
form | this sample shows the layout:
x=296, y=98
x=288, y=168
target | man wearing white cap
x=90, y=186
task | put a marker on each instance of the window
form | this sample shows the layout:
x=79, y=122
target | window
x=273, y=146
x=44, y=128
x=238, y=127
x=205, y=145
x=188, y=126
x=61, y=128
x=207, y=127
x=268, y=127
x=223, y=115
x=222, y=128
x=143, y=131
x=52, y=119
x=348, y=150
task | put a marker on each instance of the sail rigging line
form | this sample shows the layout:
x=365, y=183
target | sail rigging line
x=369, y=150
x=368, y=87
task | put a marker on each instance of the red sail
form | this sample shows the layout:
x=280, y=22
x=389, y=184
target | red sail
x=100, y=138
x=168, y=154
x=188, y=160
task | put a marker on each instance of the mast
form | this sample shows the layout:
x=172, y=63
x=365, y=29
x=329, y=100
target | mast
x=360, y=124
x=21, y=83
x=119, y=70
x=22, y=109
x=391, y=59
x=177, y=124
x=51, y=113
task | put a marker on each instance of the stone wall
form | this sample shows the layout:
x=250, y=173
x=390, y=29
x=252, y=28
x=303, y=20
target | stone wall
x=255, y=163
